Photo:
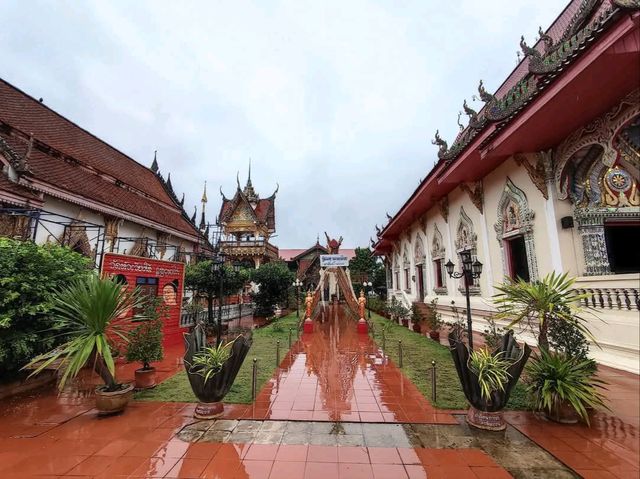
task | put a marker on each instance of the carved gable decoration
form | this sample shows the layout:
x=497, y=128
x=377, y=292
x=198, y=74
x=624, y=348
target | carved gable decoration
x=437, y=245
x=405, y=258
x=475, y=192
x=419, y=254
x=466, y=238
x=75, y=237
x=514, y=214
x=601, y=133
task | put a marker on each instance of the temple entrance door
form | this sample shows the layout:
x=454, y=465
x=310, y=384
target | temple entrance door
x=420, y=282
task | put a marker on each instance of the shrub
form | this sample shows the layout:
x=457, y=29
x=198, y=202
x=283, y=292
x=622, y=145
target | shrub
x=491, y=371
x=145, y=340
x=555, y=378
x=434, y=318
x=29, y=274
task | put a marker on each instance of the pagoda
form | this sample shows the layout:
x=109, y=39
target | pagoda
x=247, y=222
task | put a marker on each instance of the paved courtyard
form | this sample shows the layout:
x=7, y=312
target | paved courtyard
x=335, y=408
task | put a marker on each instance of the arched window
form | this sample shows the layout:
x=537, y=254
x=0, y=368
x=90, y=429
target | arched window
x=406, y=268
x=514, y=230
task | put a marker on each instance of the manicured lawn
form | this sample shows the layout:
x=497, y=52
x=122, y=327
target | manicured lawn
x=418, y=352
x=263, y=348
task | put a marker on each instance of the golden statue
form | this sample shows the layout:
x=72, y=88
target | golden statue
x=362, y=301
x=308, y=301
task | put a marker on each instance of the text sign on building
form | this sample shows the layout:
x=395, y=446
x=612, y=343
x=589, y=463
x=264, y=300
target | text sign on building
x=333, y=260
x=153, y=277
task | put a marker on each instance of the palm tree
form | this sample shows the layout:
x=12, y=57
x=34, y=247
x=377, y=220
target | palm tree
x=85, y=312
x=553, y=297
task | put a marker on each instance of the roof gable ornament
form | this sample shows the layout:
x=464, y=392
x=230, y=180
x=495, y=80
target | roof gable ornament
x=475, y=192
x=195, y=214
x=154, y=165
x=442, y=145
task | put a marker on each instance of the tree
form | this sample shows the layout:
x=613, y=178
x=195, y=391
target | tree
x=365, y=266
x=203, y=280
x=29, y=275
x=273, y=280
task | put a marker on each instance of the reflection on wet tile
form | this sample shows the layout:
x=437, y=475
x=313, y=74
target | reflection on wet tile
x=337, y=375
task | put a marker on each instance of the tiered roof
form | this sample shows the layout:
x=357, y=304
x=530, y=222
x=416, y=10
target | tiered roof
x=264, y=210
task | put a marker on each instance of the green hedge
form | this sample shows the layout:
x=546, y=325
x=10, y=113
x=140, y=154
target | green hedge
x=29, y=274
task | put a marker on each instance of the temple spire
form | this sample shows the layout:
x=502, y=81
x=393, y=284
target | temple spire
x=203, y=221
x=248, y=191
x=154, y=165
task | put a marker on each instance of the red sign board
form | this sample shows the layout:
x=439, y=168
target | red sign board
x=153, y=276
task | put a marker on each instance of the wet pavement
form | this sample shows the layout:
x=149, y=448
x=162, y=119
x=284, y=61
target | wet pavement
x=336, y=374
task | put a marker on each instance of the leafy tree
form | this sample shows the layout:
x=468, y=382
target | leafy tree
x=365, y=266
x=273, y=280
x=204, y=281
x=29, y=275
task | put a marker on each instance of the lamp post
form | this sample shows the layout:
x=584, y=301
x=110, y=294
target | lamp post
x=296, y=284
x=470, y=270
x=367, y=284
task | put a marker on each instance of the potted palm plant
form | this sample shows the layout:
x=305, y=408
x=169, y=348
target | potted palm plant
x=564, y=387
x=212, y=369
x=86, y=312
x=488, y=377
x=145, y=342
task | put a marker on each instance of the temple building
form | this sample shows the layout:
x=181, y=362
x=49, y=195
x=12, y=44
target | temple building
x=246, y=223
x=306, y=262
x=61, y=184
x=544, y=177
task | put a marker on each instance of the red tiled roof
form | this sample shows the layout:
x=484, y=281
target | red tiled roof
x=289, y=254
x=91, y=157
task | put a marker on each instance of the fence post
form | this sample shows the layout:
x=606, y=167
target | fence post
x=433, y=382
x=384, y=344
x=277, y=353
x=400, y=352
x=290, y=331
x=254, y=379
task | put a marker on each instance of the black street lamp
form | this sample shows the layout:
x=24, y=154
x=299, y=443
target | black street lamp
x=296, y=284
x=367, y=284
x=470, y=270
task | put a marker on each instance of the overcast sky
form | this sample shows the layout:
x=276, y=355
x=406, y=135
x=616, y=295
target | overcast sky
x=335, y=101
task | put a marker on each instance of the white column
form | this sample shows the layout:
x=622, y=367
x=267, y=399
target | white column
x=487, y=270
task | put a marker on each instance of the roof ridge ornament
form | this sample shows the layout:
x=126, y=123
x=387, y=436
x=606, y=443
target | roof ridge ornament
x=442, y=145
x=154, y=165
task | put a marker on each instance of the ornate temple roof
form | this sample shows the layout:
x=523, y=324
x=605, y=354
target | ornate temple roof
x=264, y=210
x=62, y=157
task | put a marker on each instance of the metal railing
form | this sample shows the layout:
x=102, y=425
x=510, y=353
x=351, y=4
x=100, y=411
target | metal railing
x=229, y=313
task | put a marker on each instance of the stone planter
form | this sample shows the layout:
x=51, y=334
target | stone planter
x=145, y=378
x=435, y=335
x=113, y=402
x=405, y=323
x=208, y=410
x=489, y=421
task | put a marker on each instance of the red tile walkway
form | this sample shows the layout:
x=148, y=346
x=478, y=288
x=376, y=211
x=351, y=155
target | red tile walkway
x=336, y=374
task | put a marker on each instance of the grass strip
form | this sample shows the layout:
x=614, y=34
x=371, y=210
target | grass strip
x=418, y=352
x=263, y=348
